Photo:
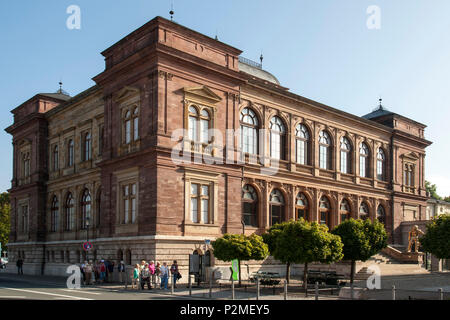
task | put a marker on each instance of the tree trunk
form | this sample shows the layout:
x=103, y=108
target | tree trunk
x=239, y=261
x=352, y=271
x=288, y=271
x=305, y=279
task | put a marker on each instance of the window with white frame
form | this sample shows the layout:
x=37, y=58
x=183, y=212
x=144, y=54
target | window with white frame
x=364, y=164
x=302, y=144
x=200, y=203
x=346, y=158
x=277, y=139
x=249, y=131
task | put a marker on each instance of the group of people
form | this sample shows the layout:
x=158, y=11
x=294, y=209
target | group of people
x=101, y=271
x=154, y=274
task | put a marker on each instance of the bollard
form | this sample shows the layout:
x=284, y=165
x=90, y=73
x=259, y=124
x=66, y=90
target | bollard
x=351, y=291
x=210, y=286
x=441, y=294
x=393, y=292
x=190, y=285
x=232, y=289
x=317, y=291
x=172, y=288
x=257, y=289
x=285, y=289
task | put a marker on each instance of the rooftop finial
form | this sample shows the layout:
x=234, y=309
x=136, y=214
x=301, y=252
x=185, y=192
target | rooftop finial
x=380, y=100
x=217, y=38
x=171, y=12
x=60, y=86
x=261, y=58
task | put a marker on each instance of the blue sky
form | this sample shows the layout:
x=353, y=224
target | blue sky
x=321, y=50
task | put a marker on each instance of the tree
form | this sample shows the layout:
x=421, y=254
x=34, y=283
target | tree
x=362, y=239
x=432, y=189
x=437, y=238
x=5, y=224
x=240, y=247
x=303, y=242
x=447, y=199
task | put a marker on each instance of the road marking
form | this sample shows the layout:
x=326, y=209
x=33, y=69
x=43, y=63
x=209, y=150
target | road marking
x=12, y=297
x=46, y=293
x=81, y=291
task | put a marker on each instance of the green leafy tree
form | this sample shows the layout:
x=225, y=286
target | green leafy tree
x=5, y=224
x=447, y=199
x=303, y=242
x=240, y=247
x=437, y=238
x=432, y=189
x=362, y=239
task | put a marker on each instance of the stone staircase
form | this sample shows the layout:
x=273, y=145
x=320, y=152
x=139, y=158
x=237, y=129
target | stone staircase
x=388, y=266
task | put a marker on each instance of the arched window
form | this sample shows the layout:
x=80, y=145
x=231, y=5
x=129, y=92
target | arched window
x=136, y=124
x=381, y=165
x=277, y=139
x=70, y=213
x=381, y=215
x=302, y=144
x=325, y=150
x=55, y=158
x=301, y=207
x=127, y=124
x=344, y=210
x=249, y=206
x=325, y=211
x=364, y=160
x=249, y=131
x=131, y=125
x=70, y=148
x=276, y=207
x=26, y=165
x=54, y=214
x=87, y=146
x=85, y=208
x=363, y=211
x=199, y=124
x=346, y=158
x=128, y=257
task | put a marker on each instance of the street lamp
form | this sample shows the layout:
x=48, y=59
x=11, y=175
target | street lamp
x=87, y=226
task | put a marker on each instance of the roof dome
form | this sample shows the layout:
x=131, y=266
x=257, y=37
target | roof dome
x=255, y=69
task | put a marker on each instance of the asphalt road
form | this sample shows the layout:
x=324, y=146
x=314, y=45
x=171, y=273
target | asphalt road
x=14, y=287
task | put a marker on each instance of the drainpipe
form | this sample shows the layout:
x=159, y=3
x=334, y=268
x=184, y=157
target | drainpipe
x=392, y=187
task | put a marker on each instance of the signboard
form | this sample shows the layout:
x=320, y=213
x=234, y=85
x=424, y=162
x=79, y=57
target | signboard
x=235, y=269
x=207, y=242
x=87, y=246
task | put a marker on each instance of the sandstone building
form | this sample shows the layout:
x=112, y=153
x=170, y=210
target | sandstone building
x=99, y=165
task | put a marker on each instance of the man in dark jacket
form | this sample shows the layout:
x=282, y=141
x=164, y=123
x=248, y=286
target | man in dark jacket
x=19, y=265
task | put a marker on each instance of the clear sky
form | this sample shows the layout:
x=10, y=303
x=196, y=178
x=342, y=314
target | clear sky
x=322, y=50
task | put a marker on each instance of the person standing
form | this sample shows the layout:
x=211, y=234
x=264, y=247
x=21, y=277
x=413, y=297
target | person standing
x=121, y=269
x=151, y=266
x=164, y=275
x=135, y=278
x=174, y=271
x=88, y=272
x=102, y=271
x=145, y=276
x=19, y=265
x=157, y=273
x=110, y=271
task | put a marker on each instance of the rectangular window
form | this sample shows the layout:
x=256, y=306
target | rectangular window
x=129, y=203
x=301, y=152
x=275, y=145
x=323, y=157
x=200, y=205
x=344, y=162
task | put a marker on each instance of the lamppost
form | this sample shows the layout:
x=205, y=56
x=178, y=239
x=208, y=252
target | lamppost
x=87, y=251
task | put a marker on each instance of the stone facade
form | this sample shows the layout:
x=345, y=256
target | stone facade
x=141, y=203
